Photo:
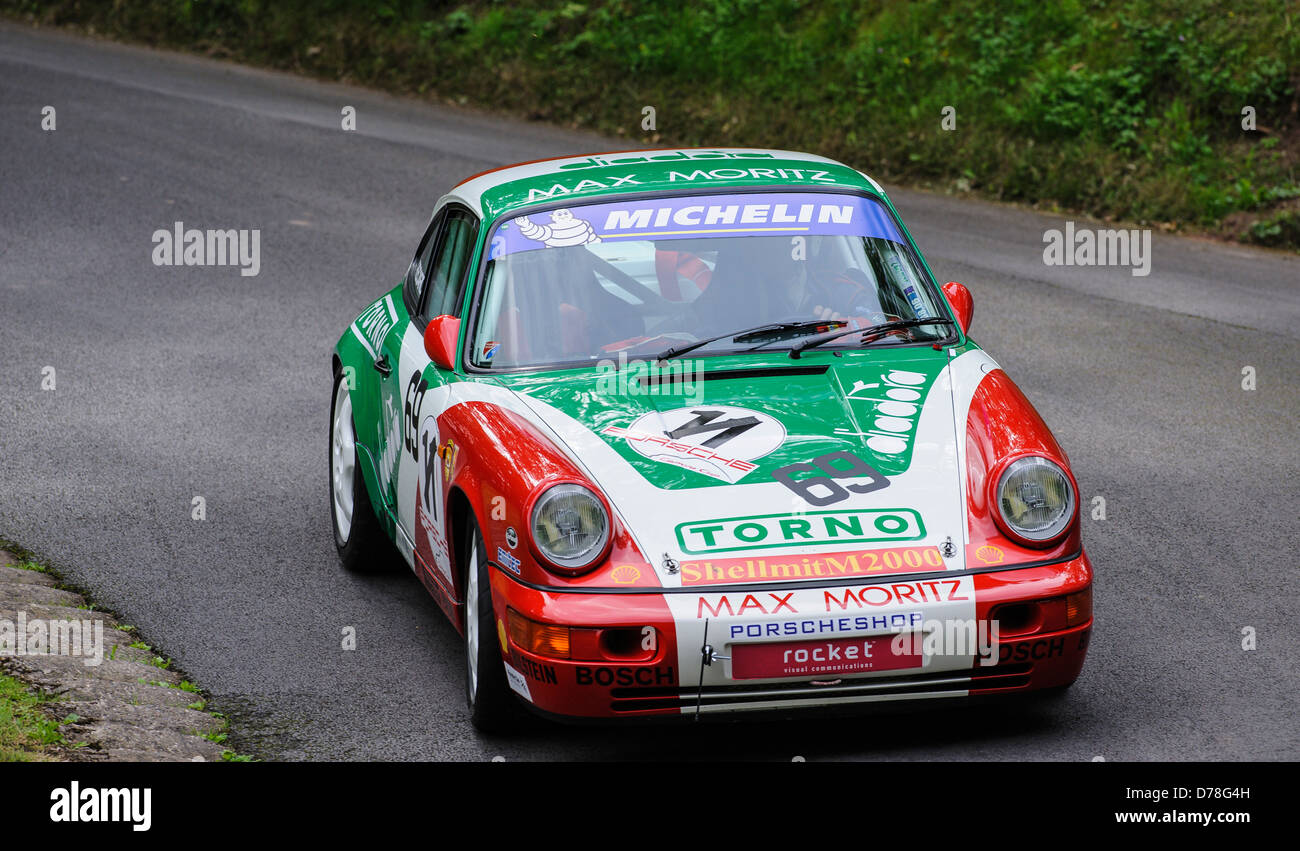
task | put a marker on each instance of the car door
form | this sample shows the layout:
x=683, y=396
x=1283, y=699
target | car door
x=393, y=441
x=421, y=488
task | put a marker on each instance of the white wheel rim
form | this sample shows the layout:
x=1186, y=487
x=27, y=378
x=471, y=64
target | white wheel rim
x=343, y=458
x=471, y=619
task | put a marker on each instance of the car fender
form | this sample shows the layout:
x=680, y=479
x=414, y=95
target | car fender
x=355, y=363
x=1002, y=425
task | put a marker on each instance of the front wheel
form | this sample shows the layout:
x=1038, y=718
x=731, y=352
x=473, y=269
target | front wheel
x=492, y=706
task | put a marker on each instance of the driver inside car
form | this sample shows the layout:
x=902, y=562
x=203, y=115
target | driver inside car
x=770, y=279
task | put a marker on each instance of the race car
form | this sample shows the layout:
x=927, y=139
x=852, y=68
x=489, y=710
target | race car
x=678, y=433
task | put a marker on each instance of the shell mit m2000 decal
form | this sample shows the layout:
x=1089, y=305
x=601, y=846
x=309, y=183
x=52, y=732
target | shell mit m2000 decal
x=685, y=432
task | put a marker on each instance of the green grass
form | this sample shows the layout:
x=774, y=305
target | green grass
x=219, y=737
x=26, y=560
x=1129, y=110
x=185, y=685
x=26, y=733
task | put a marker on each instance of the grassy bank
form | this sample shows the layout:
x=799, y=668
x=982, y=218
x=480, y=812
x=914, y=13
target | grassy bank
x=1123, y=110
x=27, y=734
x=29, y=730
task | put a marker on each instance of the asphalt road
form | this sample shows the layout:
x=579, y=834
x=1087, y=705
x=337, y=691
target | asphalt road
x=177, y=382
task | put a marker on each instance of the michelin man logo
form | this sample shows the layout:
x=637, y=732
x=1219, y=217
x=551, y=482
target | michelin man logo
x=563, y=230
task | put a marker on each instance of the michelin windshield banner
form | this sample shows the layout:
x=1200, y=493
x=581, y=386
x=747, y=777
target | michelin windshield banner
x=698, y=216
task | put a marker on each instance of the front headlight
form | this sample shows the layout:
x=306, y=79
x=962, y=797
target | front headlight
x=570, y=526
x=1035, y=499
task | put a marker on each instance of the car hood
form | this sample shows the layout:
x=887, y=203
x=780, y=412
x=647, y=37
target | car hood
x=825, y=467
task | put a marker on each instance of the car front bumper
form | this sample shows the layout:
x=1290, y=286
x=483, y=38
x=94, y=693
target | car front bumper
x=1036, y=646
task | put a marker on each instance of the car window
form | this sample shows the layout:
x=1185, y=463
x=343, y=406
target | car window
x=587, y=282
x=417, y=274
x=446, y=276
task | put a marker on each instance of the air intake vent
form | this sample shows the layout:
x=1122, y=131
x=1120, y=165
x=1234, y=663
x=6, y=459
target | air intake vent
x=732, y=374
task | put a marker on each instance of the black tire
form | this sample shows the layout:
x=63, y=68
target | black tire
x=364, y=548
x=493, y=707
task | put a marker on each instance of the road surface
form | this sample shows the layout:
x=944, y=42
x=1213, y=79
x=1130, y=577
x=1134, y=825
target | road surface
x=177, y=382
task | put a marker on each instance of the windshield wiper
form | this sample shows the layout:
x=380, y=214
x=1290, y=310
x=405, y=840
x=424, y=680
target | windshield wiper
x=870, y=331
x=674, y=351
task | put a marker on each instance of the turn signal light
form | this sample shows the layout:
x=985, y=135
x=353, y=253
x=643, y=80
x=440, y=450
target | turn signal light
x=540, y=638
x=1078, y=607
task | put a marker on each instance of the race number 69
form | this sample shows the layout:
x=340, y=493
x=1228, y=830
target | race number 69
x=834, y=467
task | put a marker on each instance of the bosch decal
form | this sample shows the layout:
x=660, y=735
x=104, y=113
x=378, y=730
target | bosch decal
x=624, y=676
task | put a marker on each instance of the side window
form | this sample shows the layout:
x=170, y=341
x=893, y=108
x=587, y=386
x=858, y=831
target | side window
x=417, y=274
x=446, y=276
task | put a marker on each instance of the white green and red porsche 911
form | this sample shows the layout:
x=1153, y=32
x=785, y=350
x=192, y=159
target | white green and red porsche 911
x=684, y=432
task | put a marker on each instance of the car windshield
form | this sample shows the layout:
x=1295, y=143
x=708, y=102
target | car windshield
x=584, y=283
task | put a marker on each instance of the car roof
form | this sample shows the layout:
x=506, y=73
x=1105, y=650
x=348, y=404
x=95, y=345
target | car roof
x=516, y=187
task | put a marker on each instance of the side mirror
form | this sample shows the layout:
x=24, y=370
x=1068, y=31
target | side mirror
x=440, y=340
x=963, y=306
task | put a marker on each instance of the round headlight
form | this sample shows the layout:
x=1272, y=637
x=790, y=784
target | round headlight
x=1035, y=499
x=570, y=526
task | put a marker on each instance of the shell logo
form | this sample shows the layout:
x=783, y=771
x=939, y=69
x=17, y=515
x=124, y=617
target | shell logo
x=625, y=574
x=989, y=554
